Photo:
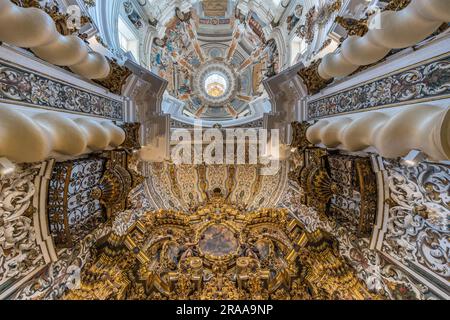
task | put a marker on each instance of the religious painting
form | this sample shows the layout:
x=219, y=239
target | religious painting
x=218, y=240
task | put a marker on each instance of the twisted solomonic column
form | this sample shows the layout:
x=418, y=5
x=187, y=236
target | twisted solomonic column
x=33, y=28
x=33, y=138
x=422, y=127
x=392, y=30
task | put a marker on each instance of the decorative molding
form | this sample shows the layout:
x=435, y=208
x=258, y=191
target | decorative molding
x=116, y=79
x=253, y=124
x=20, y=252
x=417, y=226
x=40, y=218
x=187, y=186
x=299, y=139
x=132, y=136
x=312, y=79
x=338, y=186
x=50, y=281
x=426, y=81
x=354, y=27
x=397, y=5
x=24, y=86
x=382, y=274
x=72, y=211
x=117, y=182
x=59, y=276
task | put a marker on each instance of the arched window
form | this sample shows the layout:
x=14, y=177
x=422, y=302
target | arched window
x=128, y=40
x=298, y=47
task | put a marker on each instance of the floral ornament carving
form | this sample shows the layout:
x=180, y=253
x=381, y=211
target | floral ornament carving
x=397, y=5
x=89, y=3
x=309, y=217
x=380, y=274
x=325, y=12
x=317, y=17
x=63, y=274
x=425, y=81
x=139, y=205
x=299, y=139
x=311, y=78
x=19, y=252
x=418, y=225
x=354, y=27
x=306, y=31
x=19, y=85
x=59, y=16
x=116, y=78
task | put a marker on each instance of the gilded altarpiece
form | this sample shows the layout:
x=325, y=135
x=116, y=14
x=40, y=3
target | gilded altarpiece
x=219, y=252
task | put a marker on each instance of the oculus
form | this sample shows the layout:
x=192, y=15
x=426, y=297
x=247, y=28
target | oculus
x=216, y=85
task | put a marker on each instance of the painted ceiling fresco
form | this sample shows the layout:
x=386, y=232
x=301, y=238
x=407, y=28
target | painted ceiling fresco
x=232, y=47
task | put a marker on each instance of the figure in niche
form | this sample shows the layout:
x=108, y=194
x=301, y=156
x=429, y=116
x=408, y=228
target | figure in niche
x=176, y=40
x=239, y=16
x=152, y=21
x=291, y=22
x=184, y=87
x=252, y=37
x=188, y=248
x=270, y=70
x=247, y=251
x=272, y=62
x=183, y=16
x=133, y=16
x=159, y=60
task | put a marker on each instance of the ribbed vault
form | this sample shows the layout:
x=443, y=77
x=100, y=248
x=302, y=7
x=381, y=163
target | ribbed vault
x=185, y=187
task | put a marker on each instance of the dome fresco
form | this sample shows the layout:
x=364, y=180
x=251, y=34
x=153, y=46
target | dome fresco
x=187, y=45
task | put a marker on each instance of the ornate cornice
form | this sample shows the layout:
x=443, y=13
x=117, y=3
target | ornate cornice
x=311, y=78
x=397, y=5
x=354, y=27
x=25, y=86
x=116, y=78
x=425, y=81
